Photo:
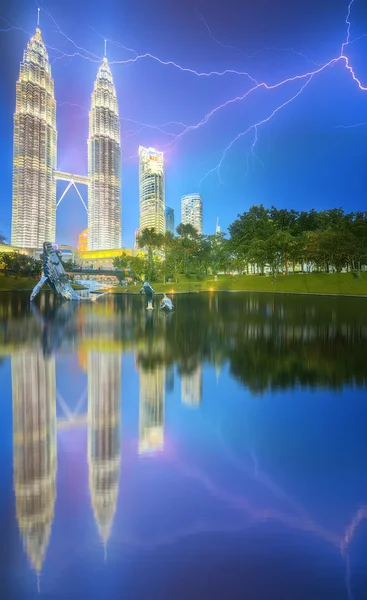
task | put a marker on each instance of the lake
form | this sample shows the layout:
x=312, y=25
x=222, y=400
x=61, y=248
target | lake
x=219, y=451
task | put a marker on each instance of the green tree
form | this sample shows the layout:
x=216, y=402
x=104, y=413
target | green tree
x=150, y=240
x=15, y=263
x=188, y=237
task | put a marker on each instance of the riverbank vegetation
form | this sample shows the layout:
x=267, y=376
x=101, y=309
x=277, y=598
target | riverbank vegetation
x=13, y=283
x=312, y=283
x=261, y=241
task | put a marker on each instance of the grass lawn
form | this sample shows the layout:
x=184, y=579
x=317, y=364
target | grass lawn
x=313, y=283
x=10, y=283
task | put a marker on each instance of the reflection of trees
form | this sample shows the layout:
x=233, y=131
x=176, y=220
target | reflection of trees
x=270, y=341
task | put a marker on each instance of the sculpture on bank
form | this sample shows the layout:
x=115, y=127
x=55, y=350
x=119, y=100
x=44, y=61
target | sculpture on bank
x=166, y=303
x=54, y=274
x=149, y=292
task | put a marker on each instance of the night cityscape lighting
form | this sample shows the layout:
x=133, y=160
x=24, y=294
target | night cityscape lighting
x=35, y=143
x=240, y=147
x=151, y=182
x=104, y=165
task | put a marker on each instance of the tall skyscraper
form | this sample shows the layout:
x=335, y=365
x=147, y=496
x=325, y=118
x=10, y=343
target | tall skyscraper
x=104, y=436
x=169, y=214
x=35, y=147
x=151, y=185
x=34, y=450
x=104, y=165
x=192, y=211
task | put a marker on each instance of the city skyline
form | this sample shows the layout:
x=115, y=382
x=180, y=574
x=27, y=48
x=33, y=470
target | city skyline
x=285, y=167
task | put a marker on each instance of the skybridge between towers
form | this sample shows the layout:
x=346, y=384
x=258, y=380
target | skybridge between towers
x=72, y=180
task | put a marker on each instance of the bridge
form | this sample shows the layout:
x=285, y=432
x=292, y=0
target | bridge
x=72, y=180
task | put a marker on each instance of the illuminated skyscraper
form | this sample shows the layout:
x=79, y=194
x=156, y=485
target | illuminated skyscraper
x=83, y=241
x=151, y=183
x=104, y=165
x=104, y=436
x=192, y=211
x=151, y=408
x=35, y=146
x=34, y=450
x=169, y=214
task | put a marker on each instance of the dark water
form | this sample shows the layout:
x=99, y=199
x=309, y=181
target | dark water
x=217, y=452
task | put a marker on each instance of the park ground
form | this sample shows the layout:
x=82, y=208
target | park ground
x=344, y=284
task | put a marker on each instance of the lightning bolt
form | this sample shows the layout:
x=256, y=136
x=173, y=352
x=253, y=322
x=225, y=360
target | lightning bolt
x=304, y=78
x=308, y=76
x=259, y=51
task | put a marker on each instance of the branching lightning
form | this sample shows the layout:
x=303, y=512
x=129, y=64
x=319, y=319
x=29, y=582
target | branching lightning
x=259, y=51
x=304, y=78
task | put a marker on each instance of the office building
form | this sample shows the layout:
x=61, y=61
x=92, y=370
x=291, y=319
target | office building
x=104, y=165
x=192, y=211
x=83, y=241
x=136, y=238
x=35, y=146
x=169, y=214
x=151, y=187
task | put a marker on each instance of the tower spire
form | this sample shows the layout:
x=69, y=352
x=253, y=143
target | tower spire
x=105, y=48
x=38, y=17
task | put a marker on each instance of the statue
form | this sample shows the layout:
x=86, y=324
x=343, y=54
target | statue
x=166, y=303
x=54, y=274
x=149, y=292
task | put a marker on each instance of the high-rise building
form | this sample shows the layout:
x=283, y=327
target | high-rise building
x=35, y=147
x=136, y=238
x=83, y=241
x=169, y=214
x=151, y=186
x=192, y=211
x=104, y=436
x=217, y=227
x=34, y=449
x=104, y=165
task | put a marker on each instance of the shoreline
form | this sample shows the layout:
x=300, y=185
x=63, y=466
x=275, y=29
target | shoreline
x=130, y=293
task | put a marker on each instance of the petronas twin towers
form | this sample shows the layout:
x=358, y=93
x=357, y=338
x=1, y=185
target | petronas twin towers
x=35, y=156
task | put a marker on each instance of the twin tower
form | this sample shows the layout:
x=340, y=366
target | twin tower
x=35, y=156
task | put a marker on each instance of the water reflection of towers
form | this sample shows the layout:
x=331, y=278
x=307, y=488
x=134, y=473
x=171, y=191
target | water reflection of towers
x=104, y=436
x=35, y=442
x=34, y=439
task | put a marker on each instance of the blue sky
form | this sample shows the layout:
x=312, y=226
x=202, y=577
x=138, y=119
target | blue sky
x=305, y=156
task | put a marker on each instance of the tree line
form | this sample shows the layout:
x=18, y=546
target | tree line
x=277, y=240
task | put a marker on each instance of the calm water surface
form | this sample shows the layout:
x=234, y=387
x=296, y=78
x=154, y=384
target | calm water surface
x=217, y=452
